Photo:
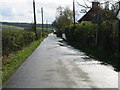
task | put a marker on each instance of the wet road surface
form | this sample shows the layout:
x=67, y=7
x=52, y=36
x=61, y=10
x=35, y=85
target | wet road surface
x=54, y=64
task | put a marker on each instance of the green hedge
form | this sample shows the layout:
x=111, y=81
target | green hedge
x=13, y=41
x=84, y=36
x=83, y=33
x=12, y=63
x=108, y=36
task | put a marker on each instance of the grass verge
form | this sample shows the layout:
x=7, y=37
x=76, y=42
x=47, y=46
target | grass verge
x=11, y=65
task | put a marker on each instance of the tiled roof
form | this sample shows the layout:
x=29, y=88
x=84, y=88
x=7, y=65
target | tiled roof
x=92, y=13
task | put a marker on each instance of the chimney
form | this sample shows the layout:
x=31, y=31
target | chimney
x=95, y=5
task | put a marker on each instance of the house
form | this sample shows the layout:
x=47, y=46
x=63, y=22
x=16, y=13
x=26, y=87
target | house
x=91, y=15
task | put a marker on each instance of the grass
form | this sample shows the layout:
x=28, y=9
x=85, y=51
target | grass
x=11, y=65
x=9, y=27
x=0, y=78
x=45, y=28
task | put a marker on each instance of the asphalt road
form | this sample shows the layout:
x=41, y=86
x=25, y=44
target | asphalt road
x=54, y=64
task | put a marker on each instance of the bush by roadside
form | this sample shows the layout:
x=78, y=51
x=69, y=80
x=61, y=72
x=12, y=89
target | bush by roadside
x=13, y=41
x=12, y=63
x=83, y=37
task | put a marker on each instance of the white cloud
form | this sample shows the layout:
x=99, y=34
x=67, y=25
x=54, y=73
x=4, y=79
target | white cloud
x=17, y=11
x=22, y=10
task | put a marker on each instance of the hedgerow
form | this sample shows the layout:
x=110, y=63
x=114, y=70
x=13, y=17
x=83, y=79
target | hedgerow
x=13, y=41
x=84, y=36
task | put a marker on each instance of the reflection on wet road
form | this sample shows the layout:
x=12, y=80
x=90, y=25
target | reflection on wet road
x=54, y=64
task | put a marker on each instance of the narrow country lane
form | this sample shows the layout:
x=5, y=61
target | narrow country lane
x=54, y=64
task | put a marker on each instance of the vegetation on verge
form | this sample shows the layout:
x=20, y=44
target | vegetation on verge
x=13, y=41
x=17, y=45
x=97, y=40
x=84, y=38
x=11, y=64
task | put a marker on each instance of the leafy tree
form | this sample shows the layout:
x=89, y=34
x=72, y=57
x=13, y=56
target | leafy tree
x=63, y=18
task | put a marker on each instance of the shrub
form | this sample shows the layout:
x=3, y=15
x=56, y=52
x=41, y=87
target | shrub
x=13, y=41
x=108, y=36
x=85, y=34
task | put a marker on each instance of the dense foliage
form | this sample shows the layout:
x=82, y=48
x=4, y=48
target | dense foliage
x=12, y=63
x=84, y=35
x=63, y=19
x=108, y=36
x=17, y=45
x=13, y=41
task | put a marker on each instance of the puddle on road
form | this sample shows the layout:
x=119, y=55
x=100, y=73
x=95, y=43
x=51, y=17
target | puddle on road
x=71, y=54
x=52, y=47
x=87, y=58
x=83, y=58
x=80, y=56
x=61, y=44
x=98, y=72
x=61, y=41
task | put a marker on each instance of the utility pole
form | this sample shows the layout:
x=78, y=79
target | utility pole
x=42, y=19
x=34, y=19
x=118, y=30
x=46, y=25
x=97, y=21
x=73, y=20
x=74, y=13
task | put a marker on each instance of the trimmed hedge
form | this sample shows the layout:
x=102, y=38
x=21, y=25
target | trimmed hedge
x=83, y=33
x=12, y=63
x=13, y=41
x=84, y=36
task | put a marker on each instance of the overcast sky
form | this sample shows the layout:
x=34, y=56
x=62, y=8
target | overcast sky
x=22, y=10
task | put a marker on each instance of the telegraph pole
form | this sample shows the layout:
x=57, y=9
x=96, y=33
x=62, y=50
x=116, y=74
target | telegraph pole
x=119, y=30
x=74, y=13
x=34, y=19
x=97, y=20
x=42, y=19
x=73, y=19
x=46, y=25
